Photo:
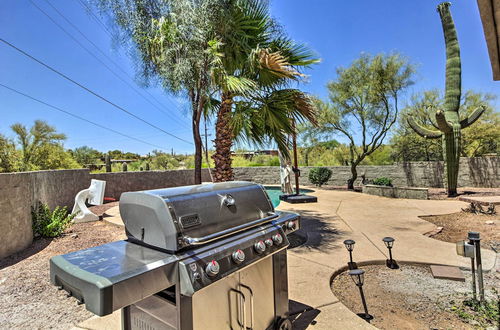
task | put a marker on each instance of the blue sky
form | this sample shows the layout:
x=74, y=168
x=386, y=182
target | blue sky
x=338, y=31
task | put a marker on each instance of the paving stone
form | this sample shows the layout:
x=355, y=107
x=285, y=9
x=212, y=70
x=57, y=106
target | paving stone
x=447, y=273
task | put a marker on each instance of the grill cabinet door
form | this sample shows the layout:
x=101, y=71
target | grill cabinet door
x=256, y=282
x=218, y=306
x=243, y=300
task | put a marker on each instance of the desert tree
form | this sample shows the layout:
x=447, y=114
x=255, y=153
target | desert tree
x=36, y=143
x=170, y=43
x=9, y=157
x=364, y=104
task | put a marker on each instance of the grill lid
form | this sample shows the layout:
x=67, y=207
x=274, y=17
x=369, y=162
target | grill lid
x=173, y=218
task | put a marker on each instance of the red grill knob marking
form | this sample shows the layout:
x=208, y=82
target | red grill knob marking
x=238, y=256
x=260, y=247
x=212, y=268
x=277, y=239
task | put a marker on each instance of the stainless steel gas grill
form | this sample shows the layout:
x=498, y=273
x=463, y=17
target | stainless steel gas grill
x=209, y=256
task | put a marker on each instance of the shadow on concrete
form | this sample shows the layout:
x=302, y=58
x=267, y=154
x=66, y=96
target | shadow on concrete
x=35, y=247
x=317, y=231
x=301, y=315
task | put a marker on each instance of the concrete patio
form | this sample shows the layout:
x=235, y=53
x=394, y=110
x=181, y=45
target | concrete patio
x=337, y=216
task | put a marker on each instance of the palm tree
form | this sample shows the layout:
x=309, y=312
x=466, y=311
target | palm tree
x=255, y=63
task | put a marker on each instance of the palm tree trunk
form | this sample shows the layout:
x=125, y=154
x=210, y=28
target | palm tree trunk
x=223, y=141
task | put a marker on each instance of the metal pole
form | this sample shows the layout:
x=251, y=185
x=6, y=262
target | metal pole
x=363, y=301
x=295, y=160
x=473, y=269
x=390, y=256
x=479, y=269
x=350, y=256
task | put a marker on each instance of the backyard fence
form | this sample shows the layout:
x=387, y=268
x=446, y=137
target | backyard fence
x=19, y=191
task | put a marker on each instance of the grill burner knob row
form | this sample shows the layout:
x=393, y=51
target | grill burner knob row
x=260, y=247
x=277, y=239
x=212, y=268
x=291, y=225
x=238, y=256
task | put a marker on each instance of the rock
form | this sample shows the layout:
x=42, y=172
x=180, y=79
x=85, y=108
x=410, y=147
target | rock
x=434, y=232
x=490, y=222
x=74, y=236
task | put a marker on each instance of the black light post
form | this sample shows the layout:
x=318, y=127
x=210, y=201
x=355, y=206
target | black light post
x=349, y=245
x=391, y=263
x=474, y=237
x=358, y=277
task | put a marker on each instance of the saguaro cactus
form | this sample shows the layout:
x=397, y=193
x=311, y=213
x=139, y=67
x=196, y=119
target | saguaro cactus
x=448, y=123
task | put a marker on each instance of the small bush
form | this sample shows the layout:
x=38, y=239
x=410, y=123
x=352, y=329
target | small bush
x=485, y=315
x=383, y=181
x=47, y=223
x=319, y=175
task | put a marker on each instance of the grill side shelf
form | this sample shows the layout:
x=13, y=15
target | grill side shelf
x=111, y=276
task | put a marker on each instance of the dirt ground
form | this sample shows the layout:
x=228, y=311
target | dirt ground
x=409, y=298
x=27, y=299
x=457, y=225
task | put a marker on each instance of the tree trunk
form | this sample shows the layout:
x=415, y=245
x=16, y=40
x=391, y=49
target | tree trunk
x=197, y=148
x=354, y=176
x=223, y=141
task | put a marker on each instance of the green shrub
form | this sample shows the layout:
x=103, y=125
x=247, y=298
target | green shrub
x=47, y=223
x=383, y=181
x=319, y=175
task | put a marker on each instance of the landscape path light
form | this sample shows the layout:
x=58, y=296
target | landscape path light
x=349, y=245
x=358, y=277
x=389, y=242
x=474, y=237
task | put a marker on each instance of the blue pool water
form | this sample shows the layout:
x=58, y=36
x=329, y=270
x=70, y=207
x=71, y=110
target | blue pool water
x=275, y=192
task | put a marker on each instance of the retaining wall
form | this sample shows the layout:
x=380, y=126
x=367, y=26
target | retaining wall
x=396, y=192
x=20, y=191
x=474, y=172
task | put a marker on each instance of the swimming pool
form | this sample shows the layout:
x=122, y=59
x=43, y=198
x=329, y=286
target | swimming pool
x=275, y=192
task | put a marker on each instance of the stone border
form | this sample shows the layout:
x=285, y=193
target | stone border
x=396, y=192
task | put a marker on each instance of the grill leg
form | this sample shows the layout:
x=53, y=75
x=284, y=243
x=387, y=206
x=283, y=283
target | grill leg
x=184, y=310
x=126, y=318
x=280, y=279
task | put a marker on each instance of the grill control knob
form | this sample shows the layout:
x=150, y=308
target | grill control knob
x=260, y=247
x=291, y=225
x=238, y=256
x=277, y=239
x=269, y=242
x=212, y=268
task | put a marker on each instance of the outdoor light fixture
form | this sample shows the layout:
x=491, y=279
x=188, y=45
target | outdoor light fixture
x=475, y=238
x=391, y=263
x=358, y=277
x=349, y=245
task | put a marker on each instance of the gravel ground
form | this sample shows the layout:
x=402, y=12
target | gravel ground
x=410, y=298
x=27, y=299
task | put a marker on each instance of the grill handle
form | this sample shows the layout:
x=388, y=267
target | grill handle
x=208, y=238
x=242, y=297
x=251, y=304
